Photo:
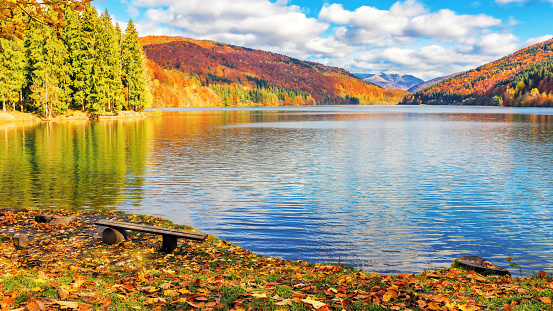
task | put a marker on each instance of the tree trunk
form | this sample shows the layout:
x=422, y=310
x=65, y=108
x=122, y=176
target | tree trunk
x=4, y=105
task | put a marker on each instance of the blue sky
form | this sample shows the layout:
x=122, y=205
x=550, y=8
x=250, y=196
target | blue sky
x=425, y=38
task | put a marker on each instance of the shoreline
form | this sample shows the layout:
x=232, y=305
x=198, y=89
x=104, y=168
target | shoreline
x=69, y=267
x=16, y=116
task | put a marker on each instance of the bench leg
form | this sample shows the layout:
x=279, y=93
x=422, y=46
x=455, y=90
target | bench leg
x=169, y=243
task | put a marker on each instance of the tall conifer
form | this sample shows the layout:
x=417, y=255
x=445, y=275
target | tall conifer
x=110, y=61
x=48, y=72
x=134, y=79
x=12, y=70
x=89, y=74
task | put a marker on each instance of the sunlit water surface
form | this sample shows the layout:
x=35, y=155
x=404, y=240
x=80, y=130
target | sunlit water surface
x=385, y=189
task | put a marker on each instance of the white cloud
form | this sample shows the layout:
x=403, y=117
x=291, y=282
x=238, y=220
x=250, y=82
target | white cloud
x=509, y=1
x=244, y=22
x=403, y=23
x=533, y=41
x=496, y=44
x=408, y=37
x=446, y=24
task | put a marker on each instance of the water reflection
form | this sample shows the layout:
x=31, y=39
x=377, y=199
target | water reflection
x=387, y=189
x=73, y=164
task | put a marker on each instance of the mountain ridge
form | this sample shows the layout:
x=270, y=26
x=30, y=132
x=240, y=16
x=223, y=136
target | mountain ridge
x=231, y=75
x=391, y=79
x=521, y=79
x=429, y=83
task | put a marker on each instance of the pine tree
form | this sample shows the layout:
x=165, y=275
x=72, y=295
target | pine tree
x=110, y=61
x=89, y=74
x=73, y=39
x=12, y=70
x=48, y=69
x=134, y=79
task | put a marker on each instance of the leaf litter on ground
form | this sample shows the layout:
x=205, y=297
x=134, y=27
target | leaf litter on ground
x=70, y=268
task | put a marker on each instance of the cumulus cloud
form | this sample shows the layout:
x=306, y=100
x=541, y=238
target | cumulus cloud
x=243, y=22
x=496, y=44
x=533, y=41
x=407, y=37
x=403, y=23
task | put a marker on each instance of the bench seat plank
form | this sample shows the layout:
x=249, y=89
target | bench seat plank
x=151, y=229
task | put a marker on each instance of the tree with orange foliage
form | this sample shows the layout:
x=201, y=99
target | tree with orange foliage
x=51, y=12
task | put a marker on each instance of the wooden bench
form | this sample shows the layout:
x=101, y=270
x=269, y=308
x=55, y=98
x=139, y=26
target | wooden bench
x=170, y=236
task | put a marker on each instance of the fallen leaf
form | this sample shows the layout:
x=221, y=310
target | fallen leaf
x=545, y=300
x=63, y=293
x=67, y=304
x=262, y=295
x=35, y=306
x=106, y=302
x=314, y=303
x=285, y=302
x=165, y=286
x=170, y=293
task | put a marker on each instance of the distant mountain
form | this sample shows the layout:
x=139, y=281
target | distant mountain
x=391, y=80
x=189, y=72
x=430, y=83
x=524, y=78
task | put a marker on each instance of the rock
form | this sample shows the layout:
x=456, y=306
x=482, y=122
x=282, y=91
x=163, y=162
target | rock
x=112, y=236
x=43, y=218
x=479, y=265
x=20, y=240
x=66, y=221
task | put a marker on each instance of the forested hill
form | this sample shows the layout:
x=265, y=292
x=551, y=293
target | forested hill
x=213, y=73
x=524, y=78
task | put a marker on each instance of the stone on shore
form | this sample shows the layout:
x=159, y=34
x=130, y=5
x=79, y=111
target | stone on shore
x=20, y=240
x=66, y=221
x=43, y=218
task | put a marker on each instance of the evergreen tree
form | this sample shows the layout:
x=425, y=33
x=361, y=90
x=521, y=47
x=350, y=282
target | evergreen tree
x=12, y=70
x=110, y=61
x=73, y=42
x=89, y=74
x=48, y=69
x=134, y=77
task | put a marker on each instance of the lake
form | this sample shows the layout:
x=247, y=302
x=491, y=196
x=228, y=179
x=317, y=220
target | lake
x=389, y=189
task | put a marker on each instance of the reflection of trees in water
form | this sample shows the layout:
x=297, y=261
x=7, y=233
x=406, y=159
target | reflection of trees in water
x=73, y=165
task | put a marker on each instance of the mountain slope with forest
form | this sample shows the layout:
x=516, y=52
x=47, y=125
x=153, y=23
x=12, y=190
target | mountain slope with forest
x=429, y=83
x=189, y=72
x=524, y=78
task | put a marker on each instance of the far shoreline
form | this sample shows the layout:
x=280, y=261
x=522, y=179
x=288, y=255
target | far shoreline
x=72, y=115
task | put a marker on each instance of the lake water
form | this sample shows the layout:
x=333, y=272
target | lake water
x=398, y=189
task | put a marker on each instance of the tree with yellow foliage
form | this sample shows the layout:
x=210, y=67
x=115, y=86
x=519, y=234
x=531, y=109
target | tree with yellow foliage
x=15, y=15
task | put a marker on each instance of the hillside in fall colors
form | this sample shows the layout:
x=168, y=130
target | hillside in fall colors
x=522, y=79
x=188, y=72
